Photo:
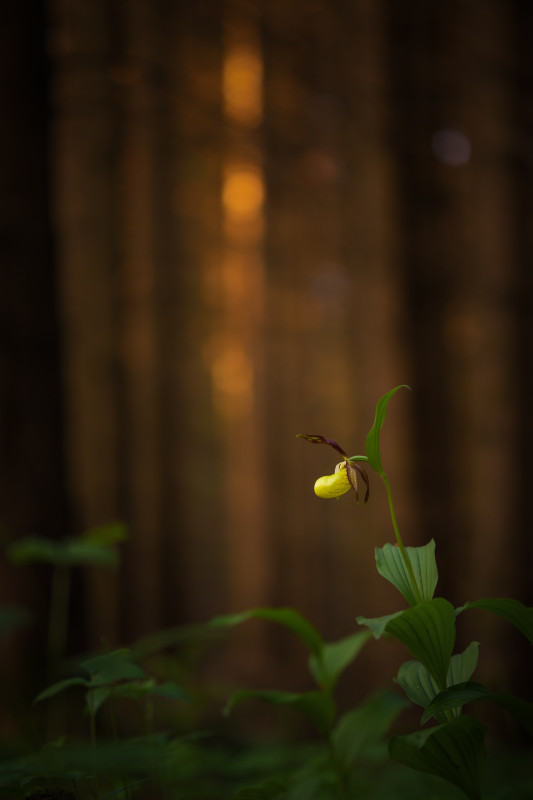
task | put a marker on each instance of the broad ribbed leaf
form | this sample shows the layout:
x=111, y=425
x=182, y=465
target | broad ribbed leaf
x=428, y=632
x=391, y=566
x=365, y=727
x=372, y=440
x=470, y=692
x=327, y=666
x=284, y=616
x=454, y=751
x=319, y=707
x=511, y=610
x=421, y=688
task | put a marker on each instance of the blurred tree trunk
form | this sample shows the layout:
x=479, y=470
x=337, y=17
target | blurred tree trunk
x=33, y=498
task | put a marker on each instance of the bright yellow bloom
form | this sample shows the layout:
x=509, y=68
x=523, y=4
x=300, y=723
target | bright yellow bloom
x=333, y=485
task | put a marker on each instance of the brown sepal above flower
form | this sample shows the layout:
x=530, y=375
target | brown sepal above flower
x=315, y=439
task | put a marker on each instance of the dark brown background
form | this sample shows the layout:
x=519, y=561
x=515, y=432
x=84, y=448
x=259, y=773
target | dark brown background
x=223, y=224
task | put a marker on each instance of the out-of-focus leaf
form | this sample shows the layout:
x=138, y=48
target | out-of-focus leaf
x=112, y=667
x=68, y=553
x=327, y=667
x=60, y=686
x=372, y=440
x=319, y=707
x=106, y=534
x=391, y=566
x=365, y=727
x=288, y=617
x=454, y=751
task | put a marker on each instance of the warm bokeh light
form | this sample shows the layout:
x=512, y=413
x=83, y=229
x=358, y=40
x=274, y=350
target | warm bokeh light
x=242, y=85
x=243, y=193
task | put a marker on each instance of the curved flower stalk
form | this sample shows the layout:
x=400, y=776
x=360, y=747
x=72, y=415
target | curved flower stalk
x=347, y=472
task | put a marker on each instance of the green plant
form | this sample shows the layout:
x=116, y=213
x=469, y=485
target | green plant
x=438, y=680
x=348, y=737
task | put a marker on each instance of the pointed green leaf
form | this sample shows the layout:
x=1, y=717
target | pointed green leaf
x=511, y=610
x=60, y=686
x=378, y=625
x=327, y=667
x=319, y=707
x=428, y=632
x=391, y=566
x=112, y=667
x=365, y=727
x=288, y=617
x=454, y=751
x=372, y=440
x=420, y=687
x=462, y=665
x=467, y=692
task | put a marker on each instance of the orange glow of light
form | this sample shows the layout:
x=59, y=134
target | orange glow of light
x=242, y=85
x=243, y=194
x=232, y=378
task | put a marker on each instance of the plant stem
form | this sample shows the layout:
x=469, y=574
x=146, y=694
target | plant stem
x=408, y=565
x=338, y=769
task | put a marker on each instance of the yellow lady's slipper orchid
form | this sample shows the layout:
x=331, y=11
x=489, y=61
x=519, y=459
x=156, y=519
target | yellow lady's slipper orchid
x=333, y=485
x=346, y=474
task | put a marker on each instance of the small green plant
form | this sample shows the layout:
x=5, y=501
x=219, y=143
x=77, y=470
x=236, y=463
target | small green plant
x=438, y=680
x=348, y=737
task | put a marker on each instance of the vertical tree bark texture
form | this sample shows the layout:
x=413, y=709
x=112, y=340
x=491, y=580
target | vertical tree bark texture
x=264, y=221
x=32, y=473
x=85, y=139
x=449, y=69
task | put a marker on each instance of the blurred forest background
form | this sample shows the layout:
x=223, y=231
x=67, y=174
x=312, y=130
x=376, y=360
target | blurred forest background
x=226, y=223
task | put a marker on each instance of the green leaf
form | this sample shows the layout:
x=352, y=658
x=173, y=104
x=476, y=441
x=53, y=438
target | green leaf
x=428, y=632
x=391, y=566
x=467, y=692
x=106, y=534
x=454, y=751
x=68, y=553
x=327, y=666
x=287, y=617
x=378, y=625
x=372, y=440
x=421, y=688
x=511, y=610
x=319, y=707
x=96, y=697
x=365, y=727
x=60, y=686
x=112, y=667
x=34, y=549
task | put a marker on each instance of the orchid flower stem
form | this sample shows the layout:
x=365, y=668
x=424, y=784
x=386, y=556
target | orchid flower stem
x=408, y=565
